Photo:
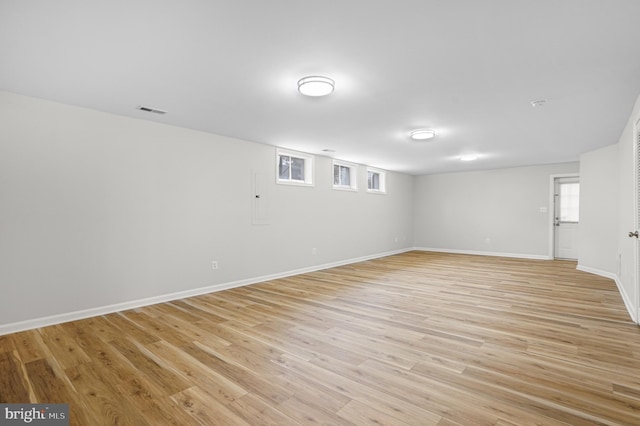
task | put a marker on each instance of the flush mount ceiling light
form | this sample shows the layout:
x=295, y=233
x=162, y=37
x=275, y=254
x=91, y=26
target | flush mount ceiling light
x=316, y=86
x=423, y=134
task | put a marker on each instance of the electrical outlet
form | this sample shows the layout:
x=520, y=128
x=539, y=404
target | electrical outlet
x=314, y=251
x=487, y=240
x=214, y=264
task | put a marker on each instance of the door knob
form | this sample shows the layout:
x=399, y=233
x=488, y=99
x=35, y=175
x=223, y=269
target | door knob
x=633, y=234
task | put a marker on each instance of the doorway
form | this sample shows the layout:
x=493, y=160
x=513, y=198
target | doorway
x=566, y=215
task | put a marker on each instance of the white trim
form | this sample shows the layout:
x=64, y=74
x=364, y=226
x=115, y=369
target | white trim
x=636, y=221
x=118, y=307
x=625, y=297
x=485, y=253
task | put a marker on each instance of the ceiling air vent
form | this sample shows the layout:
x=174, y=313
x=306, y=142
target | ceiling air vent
x=149, y=109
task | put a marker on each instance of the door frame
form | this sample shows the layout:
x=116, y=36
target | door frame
x=636, y=219
x=552, y=208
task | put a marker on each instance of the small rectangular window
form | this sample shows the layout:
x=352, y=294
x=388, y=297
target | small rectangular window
x=291, y=168
x=569, y=202
x=341, y=175
x=344, y=175
x=373, y=181
x=376, y=180
x=294, y=168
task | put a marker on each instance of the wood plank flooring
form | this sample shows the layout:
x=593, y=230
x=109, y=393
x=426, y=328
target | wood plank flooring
x=414, y=339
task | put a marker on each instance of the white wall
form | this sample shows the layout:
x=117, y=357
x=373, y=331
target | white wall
x=99, y=210
x=625, y=211
x=607, y=213
x=598, y=230
x=486, y=212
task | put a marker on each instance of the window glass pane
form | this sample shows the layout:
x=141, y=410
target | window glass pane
x=341, y=175
x=294, y=168
x=283, y=167
x=297, y=168
x=569, y=202
x=345, y=177
x=373, y=180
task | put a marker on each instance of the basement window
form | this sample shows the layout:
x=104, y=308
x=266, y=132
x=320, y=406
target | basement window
x=294, y=168
x=376, y=181
x=345, y=175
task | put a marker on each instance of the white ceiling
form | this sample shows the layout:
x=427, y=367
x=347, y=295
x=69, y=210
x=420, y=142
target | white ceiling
x=467, y=68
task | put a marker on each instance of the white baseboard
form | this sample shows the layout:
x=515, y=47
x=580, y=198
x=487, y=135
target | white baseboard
x=595, y=271
x=485, y=253
x=108, y=309
x=625, y=297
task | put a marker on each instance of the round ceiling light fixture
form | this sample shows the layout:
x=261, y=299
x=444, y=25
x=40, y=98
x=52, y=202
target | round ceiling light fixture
x=316, y=85
x=423, y=134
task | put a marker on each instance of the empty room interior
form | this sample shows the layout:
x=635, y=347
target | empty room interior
x=338, y=213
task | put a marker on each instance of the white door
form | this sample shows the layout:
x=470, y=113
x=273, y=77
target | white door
x=634, y=233
x=566, y=217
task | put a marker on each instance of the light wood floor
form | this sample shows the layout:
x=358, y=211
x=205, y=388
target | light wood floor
x=418, y=338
